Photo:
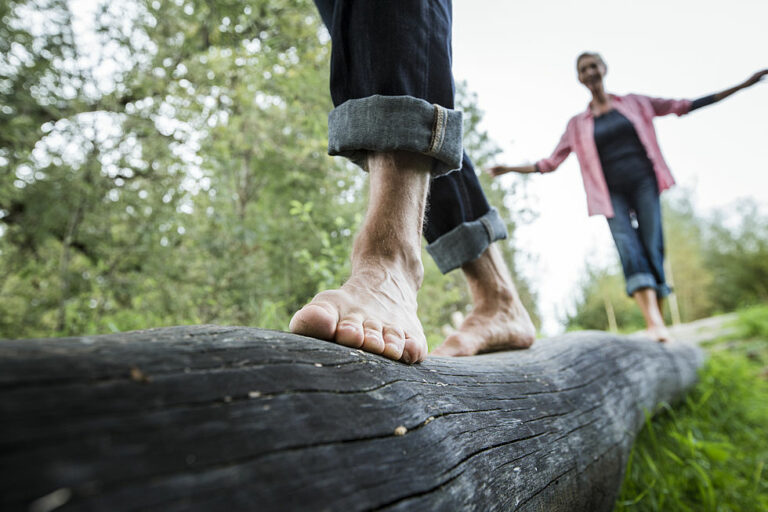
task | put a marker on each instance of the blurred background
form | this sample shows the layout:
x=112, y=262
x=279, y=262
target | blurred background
x=164, y=162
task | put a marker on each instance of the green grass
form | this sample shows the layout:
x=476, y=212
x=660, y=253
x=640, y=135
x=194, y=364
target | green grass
x=753, y=323
x=710, y=452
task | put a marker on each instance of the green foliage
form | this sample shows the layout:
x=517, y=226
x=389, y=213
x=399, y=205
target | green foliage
x=167, y=165
x=738, y=257
x=753, y=322
x=709, y=454
x=687, y=270
x=160, y=193
x=603, y=296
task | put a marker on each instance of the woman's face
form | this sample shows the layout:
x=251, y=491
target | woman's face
x=591, y=71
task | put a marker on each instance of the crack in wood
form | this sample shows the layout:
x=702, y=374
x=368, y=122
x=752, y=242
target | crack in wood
x=523, y=503
x=417, y=494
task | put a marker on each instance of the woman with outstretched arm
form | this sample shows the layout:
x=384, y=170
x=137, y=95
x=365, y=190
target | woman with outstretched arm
x=624, y=173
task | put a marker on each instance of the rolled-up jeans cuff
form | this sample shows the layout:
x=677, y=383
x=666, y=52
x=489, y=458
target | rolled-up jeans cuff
x=392, y=123
x=639, y=281
x=467, y=241
x=662, y=290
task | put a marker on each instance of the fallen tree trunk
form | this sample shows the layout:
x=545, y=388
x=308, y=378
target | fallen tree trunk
x=217, y=418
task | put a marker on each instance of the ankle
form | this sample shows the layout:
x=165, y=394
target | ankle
x=490, y=285
x=494, y=297
x=392, y=256
x=655, y=324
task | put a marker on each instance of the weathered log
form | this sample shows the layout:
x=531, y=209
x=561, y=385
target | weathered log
x=229, y=418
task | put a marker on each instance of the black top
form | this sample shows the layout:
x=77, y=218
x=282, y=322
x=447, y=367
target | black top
x=622, y=155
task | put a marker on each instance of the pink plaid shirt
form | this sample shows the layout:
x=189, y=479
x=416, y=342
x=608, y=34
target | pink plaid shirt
x=579, y=137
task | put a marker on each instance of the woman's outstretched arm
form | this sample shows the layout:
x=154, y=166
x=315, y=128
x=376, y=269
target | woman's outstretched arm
x=498, y=170
x=561, y=152
x=714, y=98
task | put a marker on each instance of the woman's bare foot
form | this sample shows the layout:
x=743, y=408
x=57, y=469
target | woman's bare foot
x=375, y=310
x=659, y=333
x=648, y=303
x=498, y=321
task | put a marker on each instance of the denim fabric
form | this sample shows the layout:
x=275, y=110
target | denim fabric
x=460, y=224
x=467, y=241
x=391, y=79
x=392, y=86
x=641, y=248
x=386, y=123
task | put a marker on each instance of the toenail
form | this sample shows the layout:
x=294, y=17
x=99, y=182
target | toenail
x=406, y=358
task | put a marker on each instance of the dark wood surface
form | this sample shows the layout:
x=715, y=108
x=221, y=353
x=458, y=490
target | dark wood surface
x=232, y=418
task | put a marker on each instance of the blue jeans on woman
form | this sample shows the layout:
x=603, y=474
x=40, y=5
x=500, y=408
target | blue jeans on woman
x=392, y=89
x=641, y=248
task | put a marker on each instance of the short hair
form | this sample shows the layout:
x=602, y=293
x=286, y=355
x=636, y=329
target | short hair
x=589, y=54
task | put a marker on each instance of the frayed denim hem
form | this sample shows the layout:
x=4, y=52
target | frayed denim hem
x=467, y=241
x=396, y=123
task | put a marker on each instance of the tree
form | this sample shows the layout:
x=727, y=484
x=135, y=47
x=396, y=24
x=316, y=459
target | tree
x=76, y=184
x=603, y=303
x=167, y=166
x=738, y=257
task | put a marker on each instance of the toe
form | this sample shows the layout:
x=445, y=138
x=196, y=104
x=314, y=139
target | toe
x=350, y=332
x=524, y=339
x=373, y=338
x=414, y=350
x=317, y=320
x=451, y=347
x=393, y=343
x=442, y=350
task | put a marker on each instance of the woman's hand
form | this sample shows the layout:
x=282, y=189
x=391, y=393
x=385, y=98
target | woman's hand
x=498, y=170
x=755, y=78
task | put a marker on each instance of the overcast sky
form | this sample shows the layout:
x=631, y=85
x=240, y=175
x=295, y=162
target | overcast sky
x=519, y=57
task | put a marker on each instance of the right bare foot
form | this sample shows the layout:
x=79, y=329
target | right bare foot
x=375, y=310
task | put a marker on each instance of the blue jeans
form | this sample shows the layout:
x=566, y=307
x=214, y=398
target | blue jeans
x=641, y=248
x=392, y=89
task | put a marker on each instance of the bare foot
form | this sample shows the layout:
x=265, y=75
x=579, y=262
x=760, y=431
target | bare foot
x=649, y=304
x=659, y=333
x=375, y=310
x=498, y=321
x=489, y=330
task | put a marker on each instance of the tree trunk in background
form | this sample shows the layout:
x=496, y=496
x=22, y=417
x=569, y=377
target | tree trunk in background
x=674, y=310
x=609, y=312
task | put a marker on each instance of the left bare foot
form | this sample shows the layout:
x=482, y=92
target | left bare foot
x=498, y=321
x=490, y=330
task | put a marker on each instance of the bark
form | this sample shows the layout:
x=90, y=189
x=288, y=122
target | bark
x=232, y=418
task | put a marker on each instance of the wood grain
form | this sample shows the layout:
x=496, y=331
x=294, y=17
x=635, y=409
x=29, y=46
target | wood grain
x=233, y=418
